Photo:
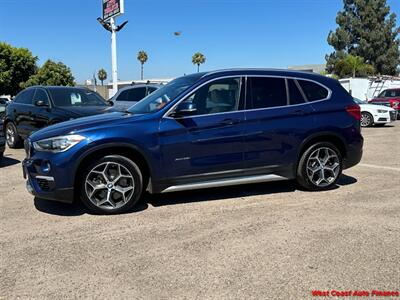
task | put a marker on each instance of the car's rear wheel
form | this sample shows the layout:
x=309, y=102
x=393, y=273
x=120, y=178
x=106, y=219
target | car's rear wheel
x=12, y=137
x=320, y=167
x=366, y=119
x=111, y=185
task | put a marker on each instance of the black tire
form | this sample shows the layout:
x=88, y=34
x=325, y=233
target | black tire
x=12, y=138
x=302, y=176
x=130, y=169
x=367, y=119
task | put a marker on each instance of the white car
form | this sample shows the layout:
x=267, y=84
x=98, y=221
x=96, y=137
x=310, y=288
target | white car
x=378, y=115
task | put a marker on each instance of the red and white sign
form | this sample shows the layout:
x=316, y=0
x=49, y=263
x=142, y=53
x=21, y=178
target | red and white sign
x=112, y=8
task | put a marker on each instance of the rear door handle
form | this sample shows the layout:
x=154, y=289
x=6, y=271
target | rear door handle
x=229, y=122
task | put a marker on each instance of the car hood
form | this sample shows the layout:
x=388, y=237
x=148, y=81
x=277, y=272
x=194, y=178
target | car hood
x=83, y=111
x=375, y=107
x=82, y=124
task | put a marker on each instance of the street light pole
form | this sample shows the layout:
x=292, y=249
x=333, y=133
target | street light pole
x=114, y=67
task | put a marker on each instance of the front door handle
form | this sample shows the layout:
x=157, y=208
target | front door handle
x=298, y=112
x=229, y=122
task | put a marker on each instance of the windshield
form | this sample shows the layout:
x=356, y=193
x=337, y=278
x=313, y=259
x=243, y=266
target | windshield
x=359, y=101
x=158, y=99
x=76, y=97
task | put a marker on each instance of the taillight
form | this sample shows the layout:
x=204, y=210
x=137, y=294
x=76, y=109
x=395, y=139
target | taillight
x=354, y=111
x=395, y=104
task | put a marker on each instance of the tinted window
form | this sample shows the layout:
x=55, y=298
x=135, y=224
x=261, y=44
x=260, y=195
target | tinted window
x=25, y=97
x=295, y=96
x=41, y=95
x=392, y=93
x=134, y=94
x=312, y=90
x=218, y=96
x=76, y=97
x=267, y=92
x=151, y=89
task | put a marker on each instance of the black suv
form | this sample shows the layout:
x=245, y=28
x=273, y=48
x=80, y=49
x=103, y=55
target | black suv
x=39, y=106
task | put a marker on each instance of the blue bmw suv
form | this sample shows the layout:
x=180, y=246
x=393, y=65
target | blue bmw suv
x=204, y=130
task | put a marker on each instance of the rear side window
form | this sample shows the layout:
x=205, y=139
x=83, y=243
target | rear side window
x=133, y=95
x=312, y=90
x=151, y=89
x=295, y=96
x=25, y=97
x=392, y=93
x=267, y=92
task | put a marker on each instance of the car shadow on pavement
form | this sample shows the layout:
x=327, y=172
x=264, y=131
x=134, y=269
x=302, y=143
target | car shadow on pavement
x=73, y=209
x=8, y=161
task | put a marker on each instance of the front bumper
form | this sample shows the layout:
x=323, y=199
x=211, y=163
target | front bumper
x=382, y=118
x=43, y=186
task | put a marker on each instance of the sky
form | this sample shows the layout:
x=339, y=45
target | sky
x=230, y=33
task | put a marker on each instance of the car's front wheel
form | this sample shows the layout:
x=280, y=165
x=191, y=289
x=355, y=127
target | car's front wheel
x=366, y=119
x=12, y=138
x=111, y=185
x=320, y=167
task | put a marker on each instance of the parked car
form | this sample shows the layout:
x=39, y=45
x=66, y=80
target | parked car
x=203, y=130
x=390, y=98
x=40, y=106
x=3, y=103
x=130, y=95
x=378, y=115
x=2, y=141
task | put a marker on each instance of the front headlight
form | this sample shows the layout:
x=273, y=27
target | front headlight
x=58, y=143
x=381, y=111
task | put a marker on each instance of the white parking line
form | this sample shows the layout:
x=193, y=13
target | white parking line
x=379, y=167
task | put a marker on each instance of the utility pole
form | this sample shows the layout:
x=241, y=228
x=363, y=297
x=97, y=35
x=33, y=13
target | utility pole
x=111, y=10
x=114, y=67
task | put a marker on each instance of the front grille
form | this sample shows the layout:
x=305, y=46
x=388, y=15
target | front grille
x=43, y=184
x=393, y=115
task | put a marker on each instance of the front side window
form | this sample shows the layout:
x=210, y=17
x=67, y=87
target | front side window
x=266, y=92
x=216, y=97
x=76, y=97
x=313, y=91
x=41, y=95
x=25, y=97
x=132, y=94
x=392, y=93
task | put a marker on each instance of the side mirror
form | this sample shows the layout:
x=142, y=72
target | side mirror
x=185, y=109
x=110, y=103
x=41, y=103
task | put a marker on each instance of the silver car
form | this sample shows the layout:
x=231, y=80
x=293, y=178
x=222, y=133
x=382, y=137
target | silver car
x=130, y=95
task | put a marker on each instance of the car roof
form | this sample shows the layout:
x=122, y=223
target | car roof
x=54, y=87
x=262, y=71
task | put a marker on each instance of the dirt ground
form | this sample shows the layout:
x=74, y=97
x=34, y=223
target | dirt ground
x=263, y=241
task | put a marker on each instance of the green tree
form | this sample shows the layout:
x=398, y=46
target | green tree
x=102, y=75
x=142, y=58
x=52, y=73
x=353, y=66
x=198, y=59
x=16, y=66
x=366, y=28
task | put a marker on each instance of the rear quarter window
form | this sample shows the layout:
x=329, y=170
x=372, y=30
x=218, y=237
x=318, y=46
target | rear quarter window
x=313, y=91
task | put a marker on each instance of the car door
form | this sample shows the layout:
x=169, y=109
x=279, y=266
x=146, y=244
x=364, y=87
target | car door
x=41, y=110
x=208, y=142
x=277, y=118
x=21, y=109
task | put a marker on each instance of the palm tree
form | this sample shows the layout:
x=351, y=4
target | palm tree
x=142, y=57
x=355, y=63
x=102, y=75
x=198, y=59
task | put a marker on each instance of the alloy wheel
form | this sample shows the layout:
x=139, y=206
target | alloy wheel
x=366, y=120
x=323, y=166
x=109, y=185
x=10, y=135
